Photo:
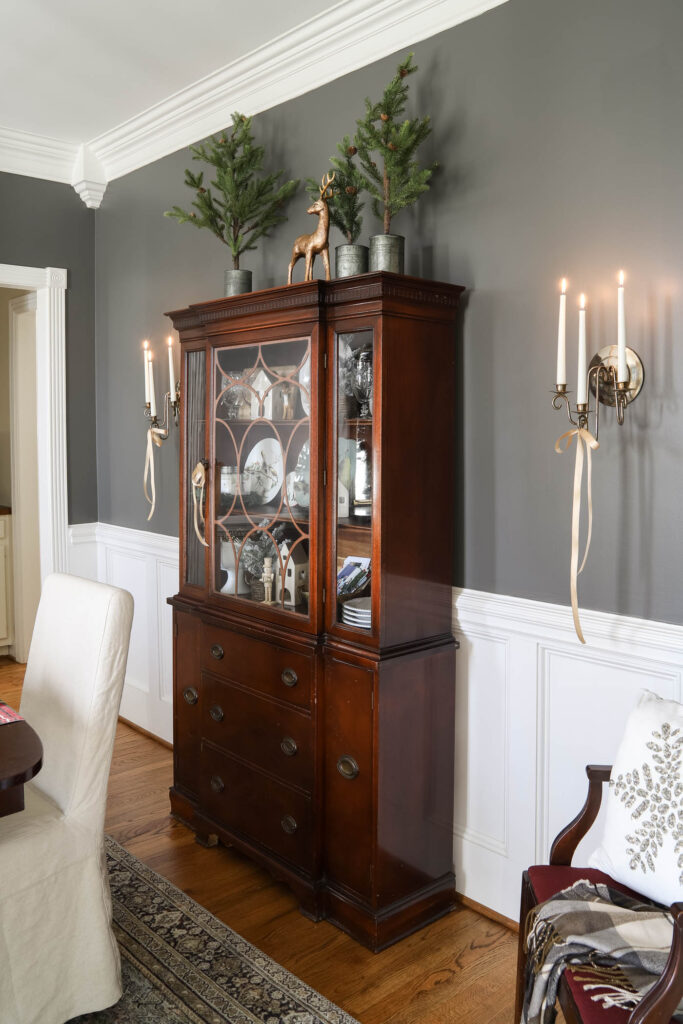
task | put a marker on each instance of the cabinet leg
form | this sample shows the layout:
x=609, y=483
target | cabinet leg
x=207, y=839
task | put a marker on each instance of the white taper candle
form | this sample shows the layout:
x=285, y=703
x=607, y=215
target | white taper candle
x=145, y=365
x=171, y=371
x=152, y=395
x=582, y=381
x=561, y=378
x=622, y=368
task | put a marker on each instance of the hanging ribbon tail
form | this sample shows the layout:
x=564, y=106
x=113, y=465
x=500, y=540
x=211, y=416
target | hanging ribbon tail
x=563, y=443
x=198, y=483
x=148, y=477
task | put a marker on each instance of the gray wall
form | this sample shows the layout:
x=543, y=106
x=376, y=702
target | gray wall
x=558, y=130
x=45, y=224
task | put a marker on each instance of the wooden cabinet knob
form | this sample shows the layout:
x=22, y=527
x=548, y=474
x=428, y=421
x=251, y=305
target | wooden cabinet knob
x=190, y=695
x=217, y=784
x=216, y=712
x=217, y=652
x=289, y=825
x=288, y=746
x=289, y=677
x=347, y=767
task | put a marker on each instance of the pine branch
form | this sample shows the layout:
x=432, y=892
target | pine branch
x=246, y=205
x=384, y=133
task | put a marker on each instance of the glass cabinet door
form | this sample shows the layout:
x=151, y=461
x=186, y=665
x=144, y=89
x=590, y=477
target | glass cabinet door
x=262, y=473
x=354, y=450
x=195, y=454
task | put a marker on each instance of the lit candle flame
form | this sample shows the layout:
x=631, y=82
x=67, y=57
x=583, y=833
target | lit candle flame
x=145, y=345
x=169, y=341
x=621, y=278
x=582, y=301
x=563, y=285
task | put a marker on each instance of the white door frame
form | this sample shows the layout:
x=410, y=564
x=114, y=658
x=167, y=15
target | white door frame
x=49, y=284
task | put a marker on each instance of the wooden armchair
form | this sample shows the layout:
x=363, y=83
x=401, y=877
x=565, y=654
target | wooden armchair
x=543, y=881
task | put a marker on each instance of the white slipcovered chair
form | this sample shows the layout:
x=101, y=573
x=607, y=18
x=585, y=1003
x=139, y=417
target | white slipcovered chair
x=58, y=954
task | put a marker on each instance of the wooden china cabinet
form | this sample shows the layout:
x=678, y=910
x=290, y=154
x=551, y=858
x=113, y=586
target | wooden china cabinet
x=314, y=661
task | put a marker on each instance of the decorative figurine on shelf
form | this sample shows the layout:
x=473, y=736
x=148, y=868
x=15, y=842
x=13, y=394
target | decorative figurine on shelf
x=267, y=578
x=293, y=579
x=287, y=396
x=318, y=242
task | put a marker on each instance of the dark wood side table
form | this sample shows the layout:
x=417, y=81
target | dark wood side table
x=21, y=757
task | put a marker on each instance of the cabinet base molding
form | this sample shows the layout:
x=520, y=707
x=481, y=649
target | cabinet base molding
x=378, y=929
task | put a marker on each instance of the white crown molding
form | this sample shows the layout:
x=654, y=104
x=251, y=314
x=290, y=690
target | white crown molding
x=12, y=276
x=351, y=35
x=88, y=177
x=36, y=156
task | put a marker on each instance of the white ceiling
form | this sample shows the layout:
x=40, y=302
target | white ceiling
x=73, y=69
x=93, y=89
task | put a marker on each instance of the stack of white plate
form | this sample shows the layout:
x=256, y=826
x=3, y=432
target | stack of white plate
x=357, y=613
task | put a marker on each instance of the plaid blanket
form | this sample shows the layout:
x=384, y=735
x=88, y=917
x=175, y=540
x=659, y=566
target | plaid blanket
x=620, y=944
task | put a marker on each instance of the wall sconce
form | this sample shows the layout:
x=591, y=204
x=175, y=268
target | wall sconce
x=157, y=432
x=615, y=378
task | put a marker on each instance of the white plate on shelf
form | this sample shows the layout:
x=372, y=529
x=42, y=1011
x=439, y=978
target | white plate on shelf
x=359, y=604
x=265, y=468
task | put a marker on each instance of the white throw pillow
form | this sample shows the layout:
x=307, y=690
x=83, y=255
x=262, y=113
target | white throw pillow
x=642, y=846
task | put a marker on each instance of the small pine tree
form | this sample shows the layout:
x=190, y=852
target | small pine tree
x=345, y=205
x=245, y=207
x=383, y=132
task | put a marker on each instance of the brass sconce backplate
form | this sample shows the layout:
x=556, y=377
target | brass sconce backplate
x=607, y=357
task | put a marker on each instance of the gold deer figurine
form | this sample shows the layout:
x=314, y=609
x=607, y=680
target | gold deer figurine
x=317, y=242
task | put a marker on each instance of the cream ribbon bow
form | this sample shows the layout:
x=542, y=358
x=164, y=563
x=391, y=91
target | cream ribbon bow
x=153, y=438
x=198, y=483
x=583, y=437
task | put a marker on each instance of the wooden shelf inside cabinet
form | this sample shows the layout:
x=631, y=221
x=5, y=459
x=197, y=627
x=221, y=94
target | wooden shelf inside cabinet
x=368, y=712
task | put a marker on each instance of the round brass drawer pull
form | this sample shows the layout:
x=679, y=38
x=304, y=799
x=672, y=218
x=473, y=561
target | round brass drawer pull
x=217, y=652
x=289, y=825
x=289, y=677
x=190, y=695
x=288, y=746
x=347, y=767
x=216, y=712
x=217, y=784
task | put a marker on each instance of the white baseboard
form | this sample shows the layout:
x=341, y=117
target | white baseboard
x=533, y=706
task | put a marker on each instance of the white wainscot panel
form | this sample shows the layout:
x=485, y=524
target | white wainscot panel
x=481, y=742
x=130, y=572
x=584, y=700
x=146, y=564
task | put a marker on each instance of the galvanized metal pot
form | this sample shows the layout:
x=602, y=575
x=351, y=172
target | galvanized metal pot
x=387, y=253
x=237, y=281
x=350, y=260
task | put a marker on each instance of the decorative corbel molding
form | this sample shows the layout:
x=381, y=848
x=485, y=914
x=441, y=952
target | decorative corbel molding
x=88, y=177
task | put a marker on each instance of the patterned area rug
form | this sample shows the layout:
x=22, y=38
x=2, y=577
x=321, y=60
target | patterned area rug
x=181, y=965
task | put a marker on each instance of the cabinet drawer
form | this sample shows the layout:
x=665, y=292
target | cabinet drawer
x=256, y=729
x=257, y=664
x=257, y=806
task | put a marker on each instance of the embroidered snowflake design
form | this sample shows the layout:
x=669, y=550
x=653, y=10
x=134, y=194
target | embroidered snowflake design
x=656, y=795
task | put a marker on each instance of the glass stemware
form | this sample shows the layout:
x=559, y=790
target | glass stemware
x=362, y=383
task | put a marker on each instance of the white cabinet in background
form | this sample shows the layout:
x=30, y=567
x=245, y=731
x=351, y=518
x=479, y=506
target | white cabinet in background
x=6, y=593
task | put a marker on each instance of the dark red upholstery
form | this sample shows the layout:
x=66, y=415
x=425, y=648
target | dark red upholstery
x=547, y=880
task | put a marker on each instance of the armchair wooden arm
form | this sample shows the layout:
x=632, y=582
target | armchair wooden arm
x=562, y=850
x=659, y=1004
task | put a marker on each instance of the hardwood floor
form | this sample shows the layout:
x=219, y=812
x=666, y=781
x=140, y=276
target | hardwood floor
x=459, y=970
